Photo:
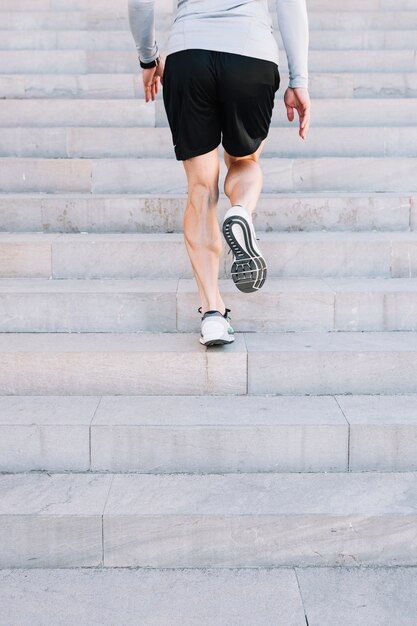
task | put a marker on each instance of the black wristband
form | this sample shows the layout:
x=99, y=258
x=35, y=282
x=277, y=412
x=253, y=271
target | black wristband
x=148, y=66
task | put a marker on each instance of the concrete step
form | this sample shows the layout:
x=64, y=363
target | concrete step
x=135, y=113
x=114, y=142
x=355, y=5
x=175, y=434
x=288, y=254
x=122, y=86
x=212, y=520
x=168, y=6
x=115, y=61
x=363, y=20
x=359, y=39
x=297, y=304
x=125, y=364
x=112, y=213
x=109, y=6
x=117, y=19
x=122, y=40
x=361, y=363
x=359, y=5
x=158, y=305
x=146, y=596
x=266, y=597
x=142, y=175
x=299, y=363
x=188, y=434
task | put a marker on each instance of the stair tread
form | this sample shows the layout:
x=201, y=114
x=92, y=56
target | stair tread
x=142, y=174
x=156, y=142
x=331, y=495
x=41, y=39
x=157, y=597
x=326, y=195
x=236, y=411
x=177, y=343
x=187, y=285
x=125, y=61
x=278, y=596
x=284, y=236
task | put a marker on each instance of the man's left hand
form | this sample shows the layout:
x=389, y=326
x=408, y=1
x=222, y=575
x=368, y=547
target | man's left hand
x=152, y=78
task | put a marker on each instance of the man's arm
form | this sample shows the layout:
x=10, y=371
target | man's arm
x=142, y=25
x=293, y=25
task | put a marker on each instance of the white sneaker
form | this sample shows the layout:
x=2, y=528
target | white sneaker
x=249, y=266
x=216, y=329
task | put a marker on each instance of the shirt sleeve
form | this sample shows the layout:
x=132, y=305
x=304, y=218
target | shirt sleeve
x=293, y=25
x=142, y=25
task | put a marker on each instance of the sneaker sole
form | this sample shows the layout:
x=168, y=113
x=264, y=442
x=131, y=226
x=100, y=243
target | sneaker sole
x=248, y=268
x=216, y=342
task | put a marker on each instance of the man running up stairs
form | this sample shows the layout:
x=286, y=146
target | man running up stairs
x=126, y=447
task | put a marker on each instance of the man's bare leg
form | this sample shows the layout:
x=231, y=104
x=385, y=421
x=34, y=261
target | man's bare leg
x=244, y=180
x=201, y=227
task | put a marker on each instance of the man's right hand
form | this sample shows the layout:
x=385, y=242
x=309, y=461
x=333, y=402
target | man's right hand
x=298, y=99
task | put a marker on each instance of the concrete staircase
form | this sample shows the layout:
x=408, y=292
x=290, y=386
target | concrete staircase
x=123, y=442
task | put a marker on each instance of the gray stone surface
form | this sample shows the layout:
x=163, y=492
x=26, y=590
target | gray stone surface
x=25, y=255
x=413, y=213
x=345, y=20
x=116, y=256
x=113, y=142
x=140, y=363
x=280, y=175
x=52, y=112
x=75, y=213
x=327, y=363
x=391, y=113
x=391, y=174
x=383, y=431
x=121, y=40
x=94, y=86
x=289, y=254
x=52, y=520
x=343, y=85
x=152, y=598
x=404, y=259
x=359, y=597
x=167, y=434
x=45, y=433
x=87, y=305
x=125, y=61
x=155, y=213
x=286, y=304
x=295, y=363
x=238, y=520
x=375, y=304
x=217, y=434
x=47, y=175
x=333, y=254
x=282, y=305
x=210, y=597
x=119, y=142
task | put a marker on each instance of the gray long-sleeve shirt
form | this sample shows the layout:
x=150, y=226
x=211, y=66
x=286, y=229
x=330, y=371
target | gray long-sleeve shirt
x=238, y=26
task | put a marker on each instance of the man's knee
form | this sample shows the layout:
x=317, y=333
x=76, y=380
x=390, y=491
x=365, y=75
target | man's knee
x=203, y=195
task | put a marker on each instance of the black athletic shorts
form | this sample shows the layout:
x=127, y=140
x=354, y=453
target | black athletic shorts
x=212, y=97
